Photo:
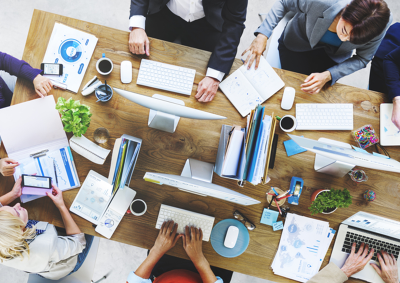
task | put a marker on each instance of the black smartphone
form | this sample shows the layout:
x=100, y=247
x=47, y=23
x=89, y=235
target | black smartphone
x=52, y=69
x=36, y=181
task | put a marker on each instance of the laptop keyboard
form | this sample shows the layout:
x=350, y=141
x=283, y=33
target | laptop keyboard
x=377, y=245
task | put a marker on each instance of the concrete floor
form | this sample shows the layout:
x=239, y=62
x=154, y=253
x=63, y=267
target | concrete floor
x=114, y=258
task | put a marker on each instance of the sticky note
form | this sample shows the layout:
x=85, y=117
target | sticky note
x=269, y=216
x=277, y=226
x=292, y=148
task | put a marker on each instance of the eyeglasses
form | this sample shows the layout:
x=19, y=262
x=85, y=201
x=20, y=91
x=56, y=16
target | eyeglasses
x=250, y=226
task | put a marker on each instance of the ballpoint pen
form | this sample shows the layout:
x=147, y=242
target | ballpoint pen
x=55, y=172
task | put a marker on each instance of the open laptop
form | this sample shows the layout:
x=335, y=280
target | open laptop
x=379, y=232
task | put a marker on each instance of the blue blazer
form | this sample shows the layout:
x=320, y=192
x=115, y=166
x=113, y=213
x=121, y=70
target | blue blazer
x=227, y=16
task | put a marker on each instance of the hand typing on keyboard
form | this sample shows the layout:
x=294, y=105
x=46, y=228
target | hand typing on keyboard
x=167, y=238
x=207, y=89
x=357, y=260
x=388, y=270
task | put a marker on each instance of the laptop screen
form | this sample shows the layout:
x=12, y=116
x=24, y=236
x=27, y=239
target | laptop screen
x=374, y=224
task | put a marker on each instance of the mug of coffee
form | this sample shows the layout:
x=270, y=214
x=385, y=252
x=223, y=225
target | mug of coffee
x=138, y=207
x=104, y=65
x=288, y=123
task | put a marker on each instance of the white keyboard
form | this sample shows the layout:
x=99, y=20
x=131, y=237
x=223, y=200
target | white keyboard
x=324, y=116
x=166, y=77
x=186, y=218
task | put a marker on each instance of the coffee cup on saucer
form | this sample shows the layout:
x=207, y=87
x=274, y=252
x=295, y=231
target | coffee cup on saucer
x=288, y=123
x=138, y=207
x=104, y=65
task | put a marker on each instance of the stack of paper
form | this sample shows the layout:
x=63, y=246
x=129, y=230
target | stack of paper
x=302, y=249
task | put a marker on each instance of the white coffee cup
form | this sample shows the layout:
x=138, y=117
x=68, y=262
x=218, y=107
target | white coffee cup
x=138, y=213
x=288, y=126
x=104, y=72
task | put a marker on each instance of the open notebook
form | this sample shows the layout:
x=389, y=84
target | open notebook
x=248, y=88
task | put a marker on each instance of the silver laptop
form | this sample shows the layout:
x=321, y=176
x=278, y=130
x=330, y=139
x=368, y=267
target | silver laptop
x=378, y=232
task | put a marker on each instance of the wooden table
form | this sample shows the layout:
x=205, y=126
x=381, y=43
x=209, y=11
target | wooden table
x=167, y=153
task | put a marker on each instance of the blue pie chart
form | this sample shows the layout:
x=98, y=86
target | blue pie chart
x=70, y=50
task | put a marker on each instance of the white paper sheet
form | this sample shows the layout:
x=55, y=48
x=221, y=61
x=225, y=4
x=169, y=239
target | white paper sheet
x=89, y=149
x=390, y=134
x=232, y=156
x=72, y=48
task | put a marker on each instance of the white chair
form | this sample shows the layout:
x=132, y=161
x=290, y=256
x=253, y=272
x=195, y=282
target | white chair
x=272, y=52
x=84, y=273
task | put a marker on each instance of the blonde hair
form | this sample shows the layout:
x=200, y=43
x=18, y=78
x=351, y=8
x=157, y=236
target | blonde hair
x=12, y=237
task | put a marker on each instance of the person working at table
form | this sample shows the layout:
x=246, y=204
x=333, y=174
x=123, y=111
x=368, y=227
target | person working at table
x=320, y=39
x=215, y=26
x=385, y=70
x=34, y=246
x=356, y=262
x=164, y=272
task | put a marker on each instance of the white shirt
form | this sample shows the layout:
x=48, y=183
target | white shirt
x=189, y=10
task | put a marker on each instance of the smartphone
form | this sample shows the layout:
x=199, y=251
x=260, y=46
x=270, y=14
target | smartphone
x=35, y=185
x=52, y=69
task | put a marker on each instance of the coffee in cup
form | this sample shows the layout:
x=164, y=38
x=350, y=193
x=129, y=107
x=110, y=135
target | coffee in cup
x=138, y=207
x=288, y=123
x=104, y=65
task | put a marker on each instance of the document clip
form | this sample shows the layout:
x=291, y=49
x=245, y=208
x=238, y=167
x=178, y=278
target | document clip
x=91, y=86
x=39, y=154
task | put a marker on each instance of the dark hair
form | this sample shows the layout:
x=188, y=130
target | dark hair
x=368, y=18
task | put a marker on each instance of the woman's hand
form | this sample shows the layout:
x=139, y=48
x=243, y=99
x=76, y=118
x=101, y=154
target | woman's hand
x=396, y=112
x=315, y=82
x=388, y=270
x=42, y=85
x=256, y=50
x=167, y=238
x=357, y=261
x=7, y=166
x=17, y=189
x=56, y=197
x=192, y=243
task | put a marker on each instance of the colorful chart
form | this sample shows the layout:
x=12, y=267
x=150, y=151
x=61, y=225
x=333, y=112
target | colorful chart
x=70, y=50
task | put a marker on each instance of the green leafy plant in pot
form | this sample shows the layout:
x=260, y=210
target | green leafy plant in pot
x=327, y=201
x=74, y=115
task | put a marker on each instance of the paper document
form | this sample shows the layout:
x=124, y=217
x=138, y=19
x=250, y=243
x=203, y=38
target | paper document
x=73, y=49
x=248, y=88
x=302, y=248
x=233, y=153
x=390, y=134
x=89, y=149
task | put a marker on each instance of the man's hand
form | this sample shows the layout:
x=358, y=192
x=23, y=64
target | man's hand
x=396, y=112
x=357, y=261
x=207, y=89
x=192, y=243
x=256, y=49
x=315, y=82
x=56, y=197
x=388, y=270
x=139, y=42
x=7, y=166
x=167, y=238
x=17, y=189
x=42, y=85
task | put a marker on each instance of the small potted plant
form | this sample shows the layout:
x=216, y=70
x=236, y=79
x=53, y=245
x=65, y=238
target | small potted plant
x=327, y=201
x=74, y=115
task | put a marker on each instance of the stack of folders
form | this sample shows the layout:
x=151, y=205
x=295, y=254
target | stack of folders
x=302, y=249
x=244, y=153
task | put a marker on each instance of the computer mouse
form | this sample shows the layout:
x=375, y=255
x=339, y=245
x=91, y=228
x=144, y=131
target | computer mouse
x=126, y=72
x=231, y=237
x=288, y=98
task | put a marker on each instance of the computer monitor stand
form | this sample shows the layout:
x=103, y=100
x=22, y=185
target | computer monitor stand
x=163, y=121
x=199, y=170
x=331, y=166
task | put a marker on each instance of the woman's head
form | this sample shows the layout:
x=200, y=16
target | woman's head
x=363, y=20
x=13, y=233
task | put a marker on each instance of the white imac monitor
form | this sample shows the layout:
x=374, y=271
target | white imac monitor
x=348, y=155
x=166, y=111
x=199, y=187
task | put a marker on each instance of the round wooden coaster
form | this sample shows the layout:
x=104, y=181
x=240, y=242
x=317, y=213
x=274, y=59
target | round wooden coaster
x=269, y=197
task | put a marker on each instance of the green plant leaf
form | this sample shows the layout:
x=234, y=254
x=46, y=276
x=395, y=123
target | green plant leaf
x=331, y=199
x=75, y=117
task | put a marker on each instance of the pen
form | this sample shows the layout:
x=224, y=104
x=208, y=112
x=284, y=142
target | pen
x=55, y=172
x=274, y=191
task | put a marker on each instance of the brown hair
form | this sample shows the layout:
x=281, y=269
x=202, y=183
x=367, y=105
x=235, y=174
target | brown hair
x=368, y=18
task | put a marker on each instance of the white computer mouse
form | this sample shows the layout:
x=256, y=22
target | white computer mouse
x=288, y=98
x=231, y=237
x=126, y=72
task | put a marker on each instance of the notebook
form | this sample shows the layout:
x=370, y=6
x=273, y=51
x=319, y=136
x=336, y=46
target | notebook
x=248, y=88
x=390, y=134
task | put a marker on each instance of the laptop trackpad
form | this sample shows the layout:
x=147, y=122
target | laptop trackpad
x=367, y=274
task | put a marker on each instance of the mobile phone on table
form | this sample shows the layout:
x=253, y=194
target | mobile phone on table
x=52, y=69
x=35, y=185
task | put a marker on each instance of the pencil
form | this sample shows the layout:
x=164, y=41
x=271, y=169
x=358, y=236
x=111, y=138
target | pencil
x=55, y=172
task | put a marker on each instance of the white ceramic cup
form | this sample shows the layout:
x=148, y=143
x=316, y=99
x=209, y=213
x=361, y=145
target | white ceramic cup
x=102, y=59
x=141, y=213
x=294, y=124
